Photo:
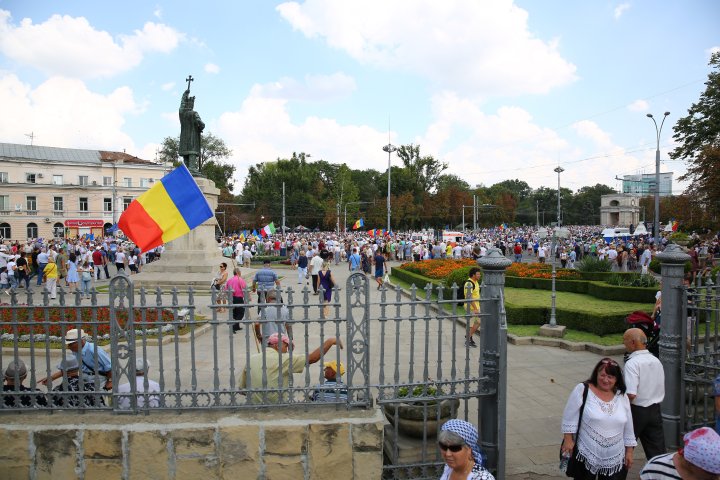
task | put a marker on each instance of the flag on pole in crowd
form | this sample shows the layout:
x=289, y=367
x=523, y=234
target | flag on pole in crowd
x=379, y=232
x=674, y=226
x=358, y=224
x=241, y=237
x=168, y=210
x=371, y=232
x=268, y=230
x=255, y=234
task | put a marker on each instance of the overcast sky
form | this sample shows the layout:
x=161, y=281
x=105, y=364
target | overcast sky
x=497, y=89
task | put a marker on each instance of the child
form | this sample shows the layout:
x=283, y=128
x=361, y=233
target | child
x=4, y=282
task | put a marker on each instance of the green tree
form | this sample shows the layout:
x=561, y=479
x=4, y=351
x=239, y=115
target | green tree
x=422, y=172
x=698, y=139
x=447, y=181
x=212, y=151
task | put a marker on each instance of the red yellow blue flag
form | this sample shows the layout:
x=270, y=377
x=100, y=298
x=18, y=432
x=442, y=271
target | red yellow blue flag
x=168, y=210
x=358, y=224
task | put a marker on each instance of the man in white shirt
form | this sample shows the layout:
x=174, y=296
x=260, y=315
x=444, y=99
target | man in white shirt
x=316, y=263
x=645, y=382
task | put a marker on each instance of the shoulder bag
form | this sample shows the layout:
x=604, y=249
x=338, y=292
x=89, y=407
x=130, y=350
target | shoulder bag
x=574, y=467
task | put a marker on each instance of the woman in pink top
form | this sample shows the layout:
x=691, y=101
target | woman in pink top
x=237, y=285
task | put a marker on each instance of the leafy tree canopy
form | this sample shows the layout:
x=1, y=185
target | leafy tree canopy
x=212, y=151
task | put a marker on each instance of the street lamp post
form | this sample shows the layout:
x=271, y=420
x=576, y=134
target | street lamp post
x=559, y=170
x=389, y=148
x=658, y=131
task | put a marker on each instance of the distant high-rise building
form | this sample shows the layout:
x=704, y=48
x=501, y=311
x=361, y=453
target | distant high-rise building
x=644, y=184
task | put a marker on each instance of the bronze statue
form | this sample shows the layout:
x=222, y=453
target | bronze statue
x=191, y=127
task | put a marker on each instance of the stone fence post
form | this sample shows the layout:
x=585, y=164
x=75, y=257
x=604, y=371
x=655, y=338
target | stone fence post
x=494, y=359
x=673, y=260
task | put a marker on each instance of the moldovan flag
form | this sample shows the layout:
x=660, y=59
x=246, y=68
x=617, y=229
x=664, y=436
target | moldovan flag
x=358, y=224
x=170, y=209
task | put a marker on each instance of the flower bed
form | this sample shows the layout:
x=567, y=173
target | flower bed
x=54, y=321
x=540, y=270
x=437, y=269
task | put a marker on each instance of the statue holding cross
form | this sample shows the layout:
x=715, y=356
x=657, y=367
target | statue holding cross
x=191, y=128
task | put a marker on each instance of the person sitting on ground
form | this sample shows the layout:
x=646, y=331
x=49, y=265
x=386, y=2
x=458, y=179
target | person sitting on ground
x=273, y=366
x=75, y=381
x=15, y=375
x=332, y=389
x=141, y=369
x=698, y=460
x=75, y=342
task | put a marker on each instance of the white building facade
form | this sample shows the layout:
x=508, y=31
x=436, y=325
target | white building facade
x=620, y=210
x=49, y=191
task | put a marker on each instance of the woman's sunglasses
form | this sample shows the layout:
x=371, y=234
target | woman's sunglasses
x=452, y=448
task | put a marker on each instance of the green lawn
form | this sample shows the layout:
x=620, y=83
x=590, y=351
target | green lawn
x=523, y=297
x=563, y=300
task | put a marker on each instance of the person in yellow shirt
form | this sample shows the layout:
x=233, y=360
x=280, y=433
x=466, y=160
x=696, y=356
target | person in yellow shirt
x=471, y=289
x=51, y=275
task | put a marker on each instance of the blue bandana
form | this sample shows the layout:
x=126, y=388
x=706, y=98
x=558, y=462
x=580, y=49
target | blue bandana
x=469, y=433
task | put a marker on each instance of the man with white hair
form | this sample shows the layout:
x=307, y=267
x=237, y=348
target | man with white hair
x=143, y=386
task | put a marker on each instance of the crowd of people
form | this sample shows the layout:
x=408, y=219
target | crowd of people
x=73, y=263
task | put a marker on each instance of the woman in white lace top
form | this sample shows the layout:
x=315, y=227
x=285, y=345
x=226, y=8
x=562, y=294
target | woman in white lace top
x=606, y=438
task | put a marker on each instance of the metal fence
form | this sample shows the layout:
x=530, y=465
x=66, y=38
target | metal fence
x=689, y=346
x=404, y=353
x=701, y=351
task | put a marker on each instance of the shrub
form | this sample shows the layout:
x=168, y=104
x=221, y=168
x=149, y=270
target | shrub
x=586, y=321
x=655, y=266
x=458, y=277
x=416, y=279
x=632, y=280
x=605, y=291
x=593, y=264
x=679, y=236
x=272, y=258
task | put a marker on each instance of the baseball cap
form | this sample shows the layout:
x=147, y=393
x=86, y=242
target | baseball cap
x=141, y=365
x=334, y=366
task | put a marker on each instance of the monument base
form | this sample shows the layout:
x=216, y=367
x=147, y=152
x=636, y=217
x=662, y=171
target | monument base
x=548, y=330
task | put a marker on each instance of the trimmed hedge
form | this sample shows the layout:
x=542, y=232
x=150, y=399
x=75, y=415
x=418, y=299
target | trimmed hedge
x=272, y=258
x=585, y=321
x=600, y=290
x=419, y=281
x=602, y=276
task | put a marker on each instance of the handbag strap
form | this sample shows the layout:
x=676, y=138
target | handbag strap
x=582, y=409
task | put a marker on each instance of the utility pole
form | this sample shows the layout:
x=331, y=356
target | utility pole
x=537, y=213
x=283, y=213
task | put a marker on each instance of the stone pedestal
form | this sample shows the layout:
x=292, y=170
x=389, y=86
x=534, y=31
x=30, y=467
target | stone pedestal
x=191, y=259
x=548, y=330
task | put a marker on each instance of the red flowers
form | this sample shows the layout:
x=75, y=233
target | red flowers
x=540, y=270
x=54, y=321
x=438, y=268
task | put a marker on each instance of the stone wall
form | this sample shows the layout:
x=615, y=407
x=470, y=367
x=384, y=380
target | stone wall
x=275, y=444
